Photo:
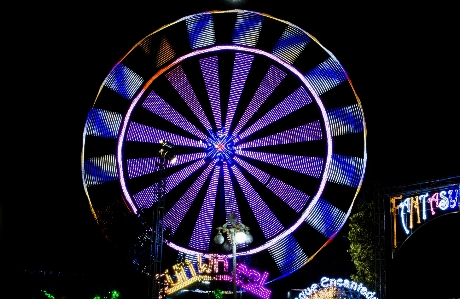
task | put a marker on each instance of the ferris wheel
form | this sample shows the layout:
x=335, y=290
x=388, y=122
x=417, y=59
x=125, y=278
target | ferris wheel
x=265, y=124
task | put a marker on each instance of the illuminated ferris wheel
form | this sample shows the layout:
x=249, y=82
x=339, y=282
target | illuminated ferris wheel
x=265, y=124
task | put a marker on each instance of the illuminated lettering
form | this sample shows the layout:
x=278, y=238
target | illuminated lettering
x=422, y=199
x=394, y=209
x=453, y=199
x=433, y=198
x=249, y=279
x=404, y=204
x=414, y=205
x=327, y=288
x=444, y=202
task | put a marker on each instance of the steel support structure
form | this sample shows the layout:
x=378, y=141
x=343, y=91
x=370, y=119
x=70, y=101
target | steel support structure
x=156, y=247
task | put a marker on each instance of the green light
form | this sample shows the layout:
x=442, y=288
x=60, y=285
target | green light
x=97, y=297
x=48, y=294
x=218, y=294
x=115, y=294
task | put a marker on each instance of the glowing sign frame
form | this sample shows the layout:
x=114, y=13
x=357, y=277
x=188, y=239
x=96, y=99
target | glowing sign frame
x=410, y=211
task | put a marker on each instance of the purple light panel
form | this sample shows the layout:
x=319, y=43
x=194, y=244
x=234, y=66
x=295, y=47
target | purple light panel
x=200, y=29
x=230, y=198
x=293, y=102
x=146, y=197
x=288, y=255
x=203, y=228
x=103, y=123
x=155, y=104
x=174, y=216
x=326, y=218
x=260, y=175
x=346, y=170
x=326, y=76
x=291, y=44
x=293, y=197
x=311, y=166
x=303, y=133
x=268, y=222
x=241, y=68
x=209, y=68
x=346, y=120
x=272, y=79
x=247, y=28
x=179, y=81
x=143, y=166
x=123, y=81
x=142, y=133
x=99, y=170
x=296, y=199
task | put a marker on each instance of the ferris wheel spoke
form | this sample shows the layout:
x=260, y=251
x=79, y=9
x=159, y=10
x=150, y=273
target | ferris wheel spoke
x=103, y=123
x=181, y=84
x=142, y=133
x=291, y=43
x=174, y=216
x=209, y=68
x=155, y=104
x=288, y=255
x=346, y=170
x=99, y=170
x=325, y=218
x=247, y=28
x=311, y=166
x=148, y=196
x=231, y=205
x=202, y=231
x=142, y=166
x=346, y=120
x=242, y=65
x=303, y=133
x=123, y=81
x=298, y=99
x=268, y=223
x=293, y=197
x=326, y=75
x=272, y=79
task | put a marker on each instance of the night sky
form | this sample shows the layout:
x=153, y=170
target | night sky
x=402, y=61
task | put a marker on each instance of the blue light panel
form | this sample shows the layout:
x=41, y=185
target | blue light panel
x=143, y=166
x=346, y=170
x=346, y=120
x=230, y=198
x=99, y=170
x=145, y=198
x=267, y=221
x=293, y=102
x=260, y=175
x=288, y=255
x=325, y=218
x=203, y=228
x=293, y=197
x=311, y=166
x=326, y=76
x=201, y=30
x=272, y=79
x=174, y=216
x=155, y=104
x=103, y=123
x=179, y=81
x=291, y=44
x=241, y=68
x=303, y=133
x=123, y=81
x=142, y=133
x=210, y=71
x=247, y=28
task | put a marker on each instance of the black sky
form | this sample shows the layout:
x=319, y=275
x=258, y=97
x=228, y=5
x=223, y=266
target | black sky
x=402, y=60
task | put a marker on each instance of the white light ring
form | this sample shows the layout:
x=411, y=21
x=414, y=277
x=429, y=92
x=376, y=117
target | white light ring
x=293, y=70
